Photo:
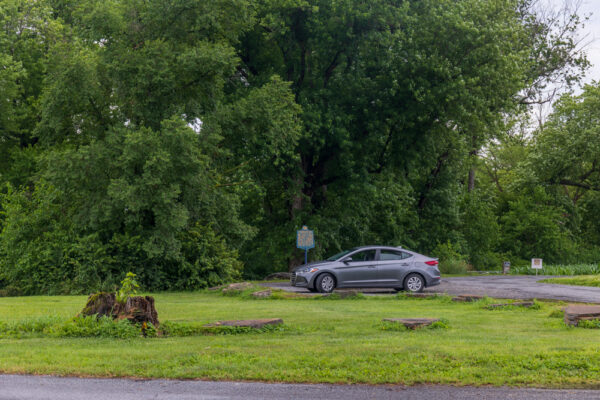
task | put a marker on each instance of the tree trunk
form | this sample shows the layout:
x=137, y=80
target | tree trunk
x=471, y=184
x=136, y=309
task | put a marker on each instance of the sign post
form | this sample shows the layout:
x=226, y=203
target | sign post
x=506, y=267
x=536, y=263
x=305, y=239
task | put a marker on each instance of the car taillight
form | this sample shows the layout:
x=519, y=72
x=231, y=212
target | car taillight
x=432, y=262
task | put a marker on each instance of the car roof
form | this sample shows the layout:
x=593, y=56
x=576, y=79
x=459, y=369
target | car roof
x=378, y=247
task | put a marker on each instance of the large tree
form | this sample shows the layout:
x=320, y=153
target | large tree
x=395, y=98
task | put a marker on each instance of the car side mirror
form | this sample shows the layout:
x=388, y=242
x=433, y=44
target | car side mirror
x=347, y=260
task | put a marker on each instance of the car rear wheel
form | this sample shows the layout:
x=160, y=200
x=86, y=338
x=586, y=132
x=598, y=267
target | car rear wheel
x=325, y=283
x=414, y=283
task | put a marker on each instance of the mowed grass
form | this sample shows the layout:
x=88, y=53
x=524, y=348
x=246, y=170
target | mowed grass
x=582, y=280
x=337, y=341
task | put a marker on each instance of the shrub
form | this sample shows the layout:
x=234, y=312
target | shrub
x=589, y=324
x=451, y=261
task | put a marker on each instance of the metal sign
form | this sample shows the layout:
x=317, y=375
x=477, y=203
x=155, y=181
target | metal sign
x=506, y=264
x=305, y=238
x=536, y=263
x=506, y=267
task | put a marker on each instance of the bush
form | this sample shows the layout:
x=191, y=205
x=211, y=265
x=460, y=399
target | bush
x=451, y=261
x=574, y=269
x=77, y=327
x=11, y=291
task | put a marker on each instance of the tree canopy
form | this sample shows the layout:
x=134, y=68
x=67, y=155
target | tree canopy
x=187, y=140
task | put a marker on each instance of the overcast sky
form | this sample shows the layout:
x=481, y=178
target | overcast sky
x=592, y=32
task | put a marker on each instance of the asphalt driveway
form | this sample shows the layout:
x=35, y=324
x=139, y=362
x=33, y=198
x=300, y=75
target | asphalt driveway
x=16, y=387
x=499, y=286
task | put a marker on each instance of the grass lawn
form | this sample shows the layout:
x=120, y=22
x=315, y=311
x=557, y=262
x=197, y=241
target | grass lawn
x=581, y=280
x=325, y=341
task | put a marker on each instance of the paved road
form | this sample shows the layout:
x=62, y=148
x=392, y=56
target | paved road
x=500, y=286
x=17, y=387
x=517, y=287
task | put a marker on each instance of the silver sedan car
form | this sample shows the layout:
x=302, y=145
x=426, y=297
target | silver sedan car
x=369, y=266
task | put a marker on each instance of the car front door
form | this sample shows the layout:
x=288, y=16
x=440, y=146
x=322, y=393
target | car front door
x=358, y=269
x=392, y=267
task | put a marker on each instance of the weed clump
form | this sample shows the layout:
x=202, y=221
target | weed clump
x=589, y=324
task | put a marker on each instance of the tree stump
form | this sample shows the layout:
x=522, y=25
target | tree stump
x=100, y=304
x=247, y=323
x=136, y=309
x=467, y=298
x=525, y=304
x=262, y=294
x=412, y=323
x=576, y=313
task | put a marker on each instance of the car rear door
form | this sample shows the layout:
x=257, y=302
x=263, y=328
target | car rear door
x=360, y=271
x=392, y=267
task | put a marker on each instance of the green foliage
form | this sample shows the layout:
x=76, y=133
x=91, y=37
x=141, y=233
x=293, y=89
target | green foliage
x=450, y=260
x=179, y=140
x=89, y=326
x=129, y=287
x=558, y=269
x=532, y=227
x=183, y=329
x=556, y=314
x=589, y=324
x=105, y=327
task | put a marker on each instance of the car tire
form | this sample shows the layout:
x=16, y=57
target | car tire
x=414, y=283
x=325, y=283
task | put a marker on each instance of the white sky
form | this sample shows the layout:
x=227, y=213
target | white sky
x=591, y=31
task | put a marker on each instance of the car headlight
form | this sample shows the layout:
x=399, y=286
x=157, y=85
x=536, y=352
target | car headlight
x=309, y=270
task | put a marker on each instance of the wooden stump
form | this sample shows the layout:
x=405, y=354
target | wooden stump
x=574, y=314
x=468, y=298
x=236, y=287
x=100, y=304
x=262, y=294
x=136, y=310
x=247, y=323
x=412, y=323
x=525, y=304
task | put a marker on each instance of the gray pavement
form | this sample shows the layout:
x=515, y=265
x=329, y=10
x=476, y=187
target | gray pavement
x=500, y=286
x=25, y=387
x=517, y=287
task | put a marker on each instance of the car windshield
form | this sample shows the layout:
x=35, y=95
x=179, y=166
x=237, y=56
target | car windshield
x=339, y=255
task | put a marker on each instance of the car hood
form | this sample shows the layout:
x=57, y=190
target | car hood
x=311, y=264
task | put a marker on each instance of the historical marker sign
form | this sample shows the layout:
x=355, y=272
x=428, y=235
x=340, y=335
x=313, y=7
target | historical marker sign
x=305, y=238
x=536, y=263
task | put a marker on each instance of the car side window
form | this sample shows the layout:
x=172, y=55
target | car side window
x=390, y=255
x=367, y=255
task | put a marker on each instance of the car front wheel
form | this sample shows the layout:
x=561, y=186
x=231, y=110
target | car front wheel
x=325, y=283
x=414, y=283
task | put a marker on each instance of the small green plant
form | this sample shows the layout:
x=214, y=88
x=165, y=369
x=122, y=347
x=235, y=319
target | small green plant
x=589, y=324
x=451, y=261
x=129, y=287
x=182, y=329
x=556, y=314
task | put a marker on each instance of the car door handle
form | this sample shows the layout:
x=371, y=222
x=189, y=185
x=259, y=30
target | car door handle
x=372, y=266
x=404, y=264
